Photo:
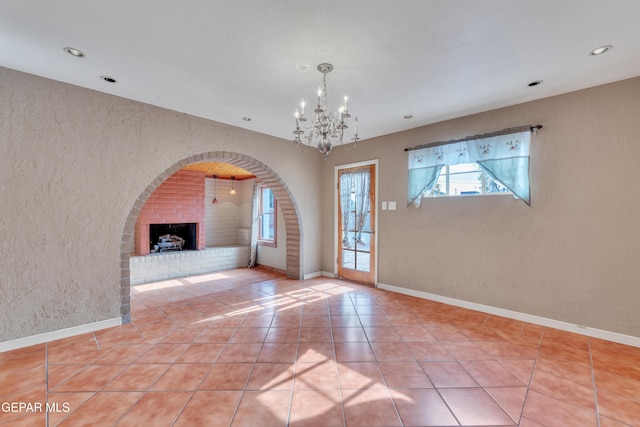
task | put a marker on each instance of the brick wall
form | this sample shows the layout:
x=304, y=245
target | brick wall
x=169, y=265
x=178, y=199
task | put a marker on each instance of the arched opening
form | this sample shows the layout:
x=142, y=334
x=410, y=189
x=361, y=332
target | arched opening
x=286, y=203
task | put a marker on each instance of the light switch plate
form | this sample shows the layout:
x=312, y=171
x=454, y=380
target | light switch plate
x=384, y=206
x=392, y=206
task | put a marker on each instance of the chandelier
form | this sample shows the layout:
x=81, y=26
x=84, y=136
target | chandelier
x=327, y=127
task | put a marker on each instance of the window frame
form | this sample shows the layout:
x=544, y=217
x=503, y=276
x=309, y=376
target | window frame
x=261, y=240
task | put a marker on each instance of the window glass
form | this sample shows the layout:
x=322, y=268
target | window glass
x=465, y=167
x=465, y=179
x=494, y=186
x=267, y=233
x=440, y=189
x=464, y=184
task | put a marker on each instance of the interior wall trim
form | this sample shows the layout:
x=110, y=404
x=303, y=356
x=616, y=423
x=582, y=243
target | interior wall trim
x=312, y=275
x=529, y=318
x=59, y=334
x=319, y=274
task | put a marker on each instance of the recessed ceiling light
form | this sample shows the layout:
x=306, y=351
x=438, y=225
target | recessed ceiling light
x=246, y=119
x=108, y=79
x=408, y=116
x=535, y=83
x=600, y=50
x=75, y=52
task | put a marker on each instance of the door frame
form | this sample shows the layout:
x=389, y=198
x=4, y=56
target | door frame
x=336, y=201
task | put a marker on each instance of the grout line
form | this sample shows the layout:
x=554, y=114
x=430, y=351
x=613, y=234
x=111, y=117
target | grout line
x=533, y=370
x=593, y=383
x=46, y=380
x=295, y=366
x=175, y=420
x=130, y=407
x=335, y=357
x=235, y=410
x=437, y=389
x=246, y=383
x=136, y=328
x=95, y=338
x=377, y=362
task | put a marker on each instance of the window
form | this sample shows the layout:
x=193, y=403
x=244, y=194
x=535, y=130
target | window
x=465, y=179
x=267, y=233
x=492, y=164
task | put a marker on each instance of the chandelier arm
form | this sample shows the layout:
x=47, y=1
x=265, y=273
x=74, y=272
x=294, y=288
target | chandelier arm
x=311, y=126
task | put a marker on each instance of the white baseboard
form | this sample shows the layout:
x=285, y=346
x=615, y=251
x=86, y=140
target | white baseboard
x=530, y=318
x=311, y=275
x=318, y=274
x=59, y=334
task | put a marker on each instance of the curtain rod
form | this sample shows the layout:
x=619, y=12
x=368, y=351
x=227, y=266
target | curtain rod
x=486, y=135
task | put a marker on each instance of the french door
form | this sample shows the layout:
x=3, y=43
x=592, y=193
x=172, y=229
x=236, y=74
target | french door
x=356, y=223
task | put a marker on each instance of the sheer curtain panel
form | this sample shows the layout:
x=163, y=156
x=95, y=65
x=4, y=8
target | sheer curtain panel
x=255, y=225
x=354, y=196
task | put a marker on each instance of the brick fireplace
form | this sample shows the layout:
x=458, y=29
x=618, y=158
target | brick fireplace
x=179, y=200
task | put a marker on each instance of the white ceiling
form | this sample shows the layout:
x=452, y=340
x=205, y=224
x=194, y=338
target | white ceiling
x=223, y=60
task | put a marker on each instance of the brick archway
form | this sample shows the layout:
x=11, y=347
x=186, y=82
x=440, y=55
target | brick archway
x=286, y=203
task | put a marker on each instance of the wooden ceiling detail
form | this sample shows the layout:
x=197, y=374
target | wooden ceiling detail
x=223, y=170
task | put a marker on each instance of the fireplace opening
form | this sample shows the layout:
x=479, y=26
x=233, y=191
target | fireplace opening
x=173, y=237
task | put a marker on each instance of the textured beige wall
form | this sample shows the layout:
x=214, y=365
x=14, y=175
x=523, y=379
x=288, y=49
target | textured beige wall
x=74, y=161
x=572, y=256
x=72, y=164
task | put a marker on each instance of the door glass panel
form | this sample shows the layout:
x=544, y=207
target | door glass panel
x=348, y=259
x=362, y=261
x=364, y=243
x=350, y=241
x=351, y=224
x=366, y=223
x=346, y=242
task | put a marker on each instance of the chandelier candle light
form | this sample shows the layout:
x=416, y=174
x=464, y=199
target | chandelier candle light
x=327, y=128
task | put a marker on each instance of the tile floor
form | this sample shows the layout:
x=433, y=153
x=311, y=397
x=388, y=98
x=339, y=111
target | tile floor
x=252, y=348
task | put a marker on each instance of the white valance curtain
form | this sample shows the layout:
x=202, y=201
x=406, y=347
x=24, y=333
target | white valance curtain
x=504, y=157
